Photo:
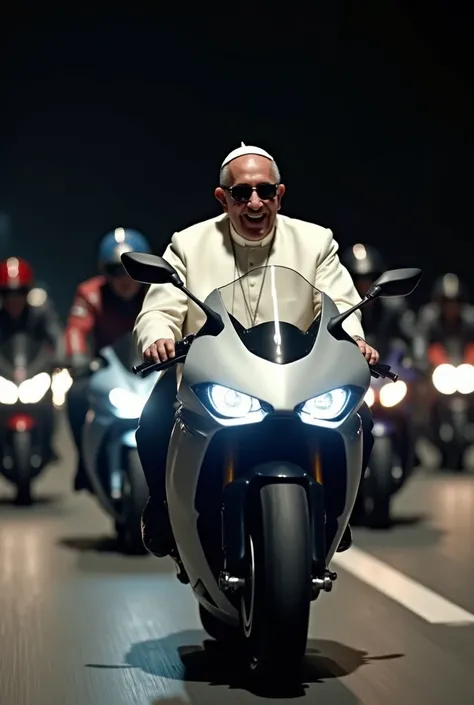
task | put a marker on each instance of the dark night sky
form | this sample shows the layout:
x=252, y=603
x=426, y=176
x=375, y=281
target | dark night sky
x=123, y=120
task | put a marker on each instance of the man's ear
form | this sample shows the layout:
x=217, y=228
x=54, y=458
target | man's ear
x=281, y=193
x=219, y=193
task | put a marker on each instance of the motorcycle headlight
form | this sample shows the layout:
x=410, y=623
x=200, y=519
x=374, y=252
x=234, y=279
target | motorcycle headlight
x=60, y=384
x=369, y=397
x=465, y=379
x=445, y=379
x=129, y=404
x=233, y=406
x=31, y=391
x=8, y=391
x=324, y=407
x=392, y=394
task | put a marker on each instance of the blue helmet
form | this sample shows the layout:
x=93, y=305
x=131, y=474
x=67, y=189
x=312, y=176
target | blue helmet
x=118, y=241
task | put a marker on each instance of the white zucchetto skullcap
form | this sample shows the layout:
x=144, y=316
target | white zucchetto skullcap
x=244, y=149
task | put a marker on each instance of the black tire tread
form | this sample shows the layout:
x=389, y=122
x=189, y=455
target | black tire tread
x=283, y=585
x=130, y=536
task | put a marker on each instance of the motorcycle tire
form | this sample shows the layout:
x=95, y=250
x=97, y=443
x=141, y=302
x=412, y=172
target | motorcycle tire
x=452, y=458
x=378, y=486
x=129, y=530
x=23, y=497
x=276, y=599
x=22, y=455
x=217, y=629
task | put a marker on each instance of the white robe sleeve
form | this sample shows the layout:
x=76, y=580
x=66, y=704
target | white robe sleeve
x=165, y=306
x=334, y=279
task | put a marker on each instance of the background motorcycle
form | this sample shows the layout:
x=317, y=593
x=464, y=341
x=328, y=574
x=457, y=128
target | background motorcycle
x=452, y=412
x=392, y=459
x=116, y=400
x=26, y=411
x=256, y=508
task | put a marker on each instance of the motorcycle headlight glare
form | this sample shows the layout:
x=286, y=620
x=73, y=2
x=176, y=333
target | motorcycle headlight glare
x=61, y=383
x=465, y=379
x=31, y=391
x=369, y=397
x=392, y=394
x=445, y=379
x=128, y=404
x=325, y=407
x=235, y=407
x=8, y=391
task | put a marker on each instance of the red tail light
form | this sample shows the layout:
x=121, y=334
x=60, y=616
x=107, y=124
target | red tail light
x=20, y=422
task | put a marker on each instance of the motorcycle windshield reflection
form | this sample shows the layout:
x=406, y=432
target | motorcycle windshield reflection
x=275, y=312
x=24, y=352
x=126, y=351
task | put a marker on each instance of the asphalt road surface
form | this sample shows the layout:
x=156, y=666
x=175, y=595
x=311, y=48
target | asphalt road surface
x=82, y=625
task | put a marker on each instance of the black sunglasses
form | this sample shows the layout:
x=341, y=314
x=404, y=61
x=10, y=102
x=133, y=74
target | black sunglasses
x=243, y=192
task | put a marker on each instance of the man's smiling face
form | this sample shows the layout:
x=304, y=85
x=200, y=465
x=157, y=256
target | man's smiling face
x=252, y=198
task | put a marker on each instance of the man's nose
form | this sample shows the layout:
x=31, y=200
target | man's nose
x=255, y=202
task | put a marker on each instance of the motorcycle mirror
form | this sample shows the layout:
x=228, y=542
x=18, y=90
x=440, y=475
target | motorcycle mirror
x=395, y=282
x=150, y=269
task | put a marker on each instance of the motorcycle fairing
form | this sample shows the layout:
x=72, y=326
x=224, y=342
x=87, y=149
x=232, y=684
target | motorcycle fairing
x=224, y=360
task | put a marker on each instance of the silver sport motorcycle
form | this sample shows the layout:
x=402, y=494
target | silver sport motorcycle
x=116, y=400
x=264, y=461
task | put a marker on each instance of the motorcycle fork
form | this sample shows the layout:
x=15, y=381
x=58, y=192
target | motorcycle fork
x=232, y=457
x=233, y=516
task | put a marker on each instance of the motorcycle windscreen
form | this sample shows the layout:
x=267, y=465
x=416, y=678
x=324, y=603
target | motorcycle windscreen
x=275, y=311
x=24, y=351
x=126, y=351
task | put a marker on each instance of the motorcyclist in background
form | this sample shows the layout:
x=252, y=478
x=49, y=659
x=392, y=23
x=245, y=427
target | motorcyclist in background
x=18, y=315
x=448, y=318
x=447, y=315
x=105, y=307
x=36, y=318
x=388, y=323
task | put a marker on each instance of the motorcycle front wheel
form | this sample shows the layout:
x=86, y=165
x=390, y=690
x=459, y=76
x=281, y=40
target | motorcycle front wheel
x=135, y=495
x=218, y=629
x=276, y=599
x=379, y=485
x=22, y=459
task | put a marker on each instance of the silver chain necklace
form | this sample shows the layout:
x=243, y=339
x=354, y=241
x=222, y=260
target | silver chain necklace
x=252, y=316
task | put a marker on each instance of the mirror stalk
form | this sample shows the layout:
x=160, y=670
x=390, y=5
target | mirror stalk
x=336, y=322
x=214, y=322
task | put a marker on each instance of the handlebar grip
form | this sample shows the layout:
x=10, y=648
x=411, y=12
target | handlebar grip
x=379, y=370
x=393, y=376
x=143, y=367
x=146, y=368
x=181, y=350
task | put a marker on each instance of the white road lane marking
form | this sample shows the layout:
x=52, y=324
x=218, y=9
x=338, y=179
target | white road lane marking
x=407, y=592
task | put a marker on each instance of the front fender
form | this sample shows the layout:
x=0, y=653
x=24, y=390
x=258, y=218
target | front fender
x=237, y=500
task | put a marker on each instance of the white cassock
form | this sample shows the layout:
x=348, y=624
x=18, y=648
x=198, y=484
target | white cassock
x=211, y=254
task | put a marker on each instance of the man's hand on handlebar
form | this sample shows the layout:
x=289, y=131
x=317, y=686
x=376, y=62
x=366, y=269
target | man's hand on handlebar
x=160, y=351
x=370, y=353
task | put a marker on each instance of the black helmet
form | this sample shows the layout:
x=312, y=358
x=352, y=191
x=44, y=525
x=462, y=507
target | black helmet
x=363, y=261
x=449, y=287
